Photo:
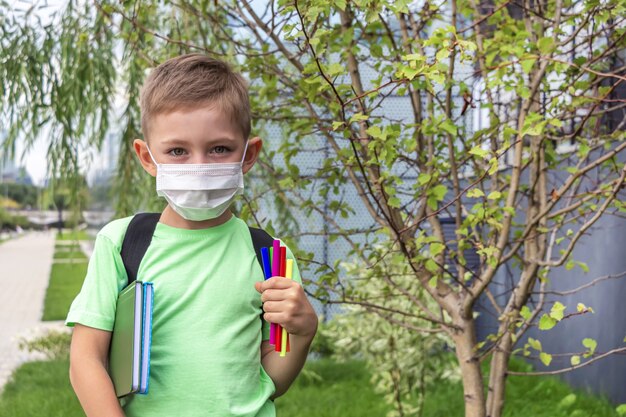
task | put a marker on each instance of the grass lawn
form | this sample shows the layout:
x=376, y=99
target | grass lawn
x=66, y=280
x=66, y=276
x=343, y=392
x=69, y=234
x=69, y=253
x=526, y=396
x=40, y=389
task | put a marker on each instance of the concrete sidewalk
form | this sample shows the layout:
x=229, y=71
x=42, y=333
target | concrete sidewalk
x=25, y=264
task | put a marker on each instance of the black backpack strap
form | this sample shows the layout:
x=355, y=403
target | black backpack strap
x=260, y=239
x=136, y=241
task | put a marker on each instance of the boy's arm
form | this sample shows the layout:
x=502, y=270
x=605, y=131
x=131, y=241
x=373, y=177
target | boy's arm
x=88, y=372
x=285, y=303
x=284, y=370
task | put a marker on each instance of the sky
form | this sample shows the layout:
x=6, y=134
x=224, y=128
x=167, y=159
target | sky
x=34, y=161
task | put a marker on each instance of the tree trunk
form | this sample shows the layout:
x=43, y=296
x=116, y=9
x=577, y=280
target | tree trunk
x=60, y=223
x=473, y=392
x=497, y=378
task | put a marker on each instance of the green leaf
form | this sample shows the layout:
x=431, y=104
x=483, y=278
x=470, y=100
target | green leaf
x=621, y=410
x=494, y=165
x=590, y=344
x=341, y=4
x=432, y=283
x=410, y=73
x=442, y=54
x=555, y=122
x=525, y=313
x=423, y=178
x=357, y=117
x=394, y=202
x=545, y=45
x=535, y=130
x=374, y=131
x=439, y=192
x=557, y=311
x=494, y=195
x=535, y=344
x=335, y=69
x=449, y=127
x=546, y=358
x=527, y=63
x=437, y=77
x=337, y=125
x=436, y=248
x=431, y=266
x=475, y=193
x=575, y=360
x=413, y=57
x=479, y=151
x=546, y=322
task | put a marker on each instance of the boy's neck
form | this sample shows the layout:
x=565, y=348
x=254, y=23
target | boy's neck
x=170, y=218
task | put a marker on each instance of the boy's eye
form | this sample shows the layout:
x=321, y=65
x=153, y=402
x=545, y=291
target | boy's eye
x=177, y=152
x=220, y=149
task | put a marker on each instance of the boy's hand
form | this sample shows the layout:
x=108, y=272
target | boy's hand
x=285, y=303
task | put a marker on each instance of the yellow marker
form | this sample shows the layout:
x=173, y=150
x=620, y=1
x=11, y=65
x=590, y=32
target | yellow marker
x=285, y=335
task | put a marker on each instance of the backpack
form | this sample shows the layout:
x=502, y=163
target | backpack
x=139, y=235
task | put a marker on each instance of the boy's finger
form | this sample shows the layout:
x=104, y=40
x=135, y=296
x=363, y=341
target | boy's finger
x=277, y=283
x=277, y=318
x=274, y=295
x=273, y=307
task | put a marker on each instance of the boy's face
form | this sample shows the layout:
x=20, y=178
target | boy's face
x=196, y=136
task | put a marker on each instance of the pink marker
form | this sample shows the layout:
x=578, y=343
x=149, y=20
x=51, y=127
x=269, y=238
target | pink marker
x=275, y=273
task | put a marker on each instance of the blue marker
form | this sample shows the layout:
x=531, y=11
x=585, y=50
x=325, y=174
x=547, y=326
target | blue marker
x=267, y=269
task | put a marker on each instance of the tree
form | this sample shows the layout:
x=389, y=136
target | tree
x=520, y=189
x=67, y=194
x=25, y=195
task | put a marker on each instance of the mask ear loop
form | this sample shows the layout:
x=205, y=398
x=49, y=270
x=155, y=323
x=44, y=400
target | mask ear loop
x=152, y=157
x=244, y=151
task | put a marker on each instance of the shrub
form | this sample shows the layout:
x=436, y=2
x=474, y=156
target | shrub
x=403, y=352
x=54, y=344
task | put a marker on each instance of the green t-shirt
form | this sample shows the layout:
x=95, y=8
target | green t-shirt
x=206, y=332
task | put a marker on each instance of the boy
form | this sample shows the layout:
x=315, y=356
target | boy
x=210, y=355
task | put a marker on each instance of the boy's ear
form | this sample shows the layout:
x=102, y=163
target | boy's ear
x=141, y=149
x=252, y=153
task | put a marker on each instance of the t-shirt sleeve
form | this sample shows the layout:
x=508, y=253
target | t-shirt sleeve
x=95, y=305
x=296, y=277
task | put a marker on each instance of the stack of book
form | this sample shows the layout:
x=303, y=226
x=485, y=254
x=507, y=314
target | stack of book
x=129, y=356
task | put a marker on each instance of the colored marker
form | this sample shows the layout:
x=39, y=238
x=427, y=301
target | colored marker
x=285, y=339
x=283, y=261
x=265, y=259
x=274, y=329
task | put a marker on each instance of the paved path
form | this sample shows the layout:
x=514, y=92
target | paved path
x=25, y=264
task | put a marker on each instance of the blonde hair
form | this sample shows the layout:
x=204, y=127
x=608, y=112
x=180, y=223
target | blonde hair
x=195, y=80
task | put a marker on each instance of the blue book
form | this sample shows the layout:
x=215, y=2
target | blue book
x=146, y=338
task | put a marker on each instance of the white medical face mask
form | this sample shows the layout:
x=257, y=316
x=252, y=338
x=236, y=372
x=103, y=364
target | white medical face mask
x=200, y=191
